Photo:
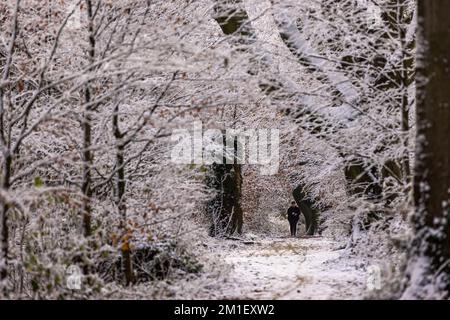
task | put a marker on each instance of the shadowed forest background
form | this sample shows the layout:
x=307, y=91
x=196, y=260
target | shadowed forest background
x=91, y=92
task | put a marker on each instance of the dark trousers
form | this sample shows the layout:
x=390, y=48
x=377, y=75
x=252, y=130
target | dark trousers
x=293, y=225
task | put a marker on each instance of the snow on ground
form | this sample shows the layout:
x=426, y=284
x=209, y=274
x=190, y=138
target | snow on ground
x=268, y=268
x=287, y=268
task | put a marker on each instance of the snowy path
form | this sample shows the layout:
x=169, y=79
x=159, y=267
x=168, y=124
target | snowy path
x=285, y=268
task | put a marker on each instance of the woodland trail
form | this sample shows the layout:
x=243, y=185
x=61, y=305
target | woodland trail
x=287, y=268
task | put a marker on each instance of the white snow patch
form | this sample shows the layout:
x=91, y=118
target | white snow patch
x=304, y=268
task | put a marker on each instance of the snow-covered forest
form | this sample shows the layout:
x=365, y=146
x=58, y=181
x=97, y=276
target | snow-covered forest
x=150, y=149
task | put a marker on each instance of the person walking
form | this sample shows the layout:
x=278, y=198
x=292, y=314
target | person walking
x=293, y=215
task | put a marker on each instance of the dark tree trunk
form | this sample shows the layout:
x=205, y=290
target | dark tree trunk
x=308, y=210
x=237, y=218
x=4, y=236
x=226, y=179
x=225, y=208
x=127, y=265
x=6, y=167
x=86, y=187
x=429, y=264
x=87, y=165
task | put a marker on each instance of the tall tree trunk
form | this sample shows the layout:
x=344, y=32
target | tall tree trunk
x=6, y=150
x=120, y=199
x=237, y=218
x=86, y=187
x=4, y=208
x=405, y=79
x=429, y=263
x=225, y=208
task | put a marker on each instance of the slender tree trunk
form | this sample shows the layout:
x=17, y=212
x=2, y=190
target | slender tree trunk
x=429, y=264
x=237, y=218
x=87, y=165
x=120, y=198
x=407, y=79
x=4, y=208
x=87, y=131
x=238, y=215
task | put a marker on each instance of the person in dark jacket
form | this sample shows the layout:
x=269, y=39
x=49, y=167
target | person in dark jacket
x=293, y=214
